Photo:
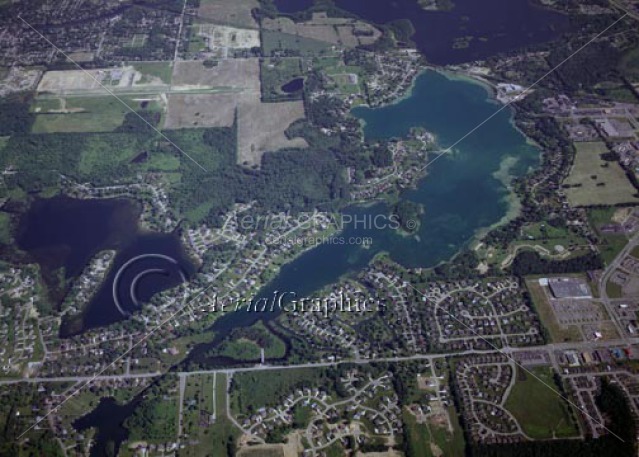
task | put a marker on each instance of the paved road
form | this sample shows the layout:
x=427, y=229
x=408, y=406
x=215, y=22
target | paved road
x=508, y=351
x=603, y=294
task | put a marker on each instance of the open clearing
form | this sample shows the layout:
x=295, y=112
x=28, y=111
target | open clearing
x=202, y=110
x=230, y=74
x=261, y=128
x=539, y=410
x=88, y=114
x=597, y=182
x=235, y=12
x=349, y=33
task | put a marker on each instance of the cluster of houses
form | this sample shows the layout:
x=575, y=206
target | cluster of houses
x=18, y=327
x=483, y=383
x=467, y=313
x=374, y=406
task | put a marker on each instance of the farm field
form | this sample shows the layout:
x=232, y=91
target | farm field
x=537, y=407
x=200, y=110
x=231, y=74
x=277, y=42
x=261, y=128
x=596, y=182
x=237, y=12
x=349, y=33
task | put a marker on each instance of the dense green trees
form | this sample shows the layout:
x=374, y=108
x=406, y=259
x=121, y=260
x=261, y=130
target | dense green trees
x=15, y=117
x=530, y=263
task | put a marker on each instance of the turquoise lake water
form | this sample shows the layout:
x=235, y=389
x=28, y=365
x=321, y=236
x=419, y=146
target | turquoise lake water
x=460, y=194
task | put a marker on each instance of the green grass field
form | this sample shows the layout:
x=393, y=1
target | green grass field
x=612, y=243
x=198, y=408
x=105, y=151
x=249, y=347
x=429, y=440
x=159, y=161
x=596, y=182
x=161, y=70
x=538, y=408
x=253, y=390
x=614, y=290
x=630, y=64
x=274, y=73
x=215, y=439
x=273, y=41
x=241, y=350
x=84, y=114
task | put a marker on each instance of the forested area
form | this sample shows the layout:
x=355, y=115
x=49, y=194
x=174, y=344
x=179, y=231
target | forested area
x=288, y=180
x=530, y=263
x=23, y=397
x=15, y=117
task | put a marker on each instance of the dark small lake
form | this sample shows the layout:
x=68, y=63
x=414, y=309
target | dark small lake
x=63, y=234
x=472, y=30
x=293, y=86
x=107, y=417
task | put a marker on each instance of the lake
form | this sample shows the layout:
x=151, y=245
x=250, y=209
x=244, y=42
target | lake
x=62, y=234
x=472, y=30
x=461, y=195
x=108, y=418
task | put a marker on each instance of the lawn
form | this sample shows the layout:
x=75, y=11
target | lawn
x=248, y=345
x=277, y=72
x=612, y=243
x=242, y=349
x=198, y=406
x=614, y=290
x=161, y=70
x=537, y=406
x=594, y=181
x=159, y=161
